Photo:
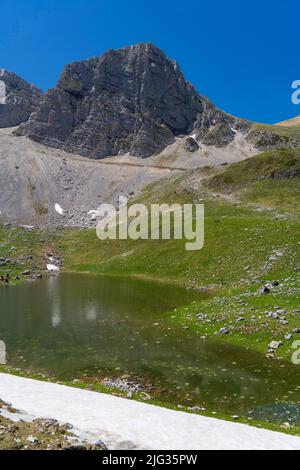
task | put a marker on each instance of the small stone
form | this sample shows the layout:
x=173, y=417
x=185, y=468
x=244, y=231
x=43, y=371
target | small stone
x=99, y=445
x=32, y=440
x=286, y=425
x=145, y=396
x=281, y=311
x=270, y=356
x=275, y=344
x=266, y=290
x=76, y=446
x=224, y=331
x=274, y=315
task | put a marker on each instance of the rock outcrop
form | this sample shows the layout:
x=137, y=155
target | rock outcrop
x=272, y=139
x=191, y=145
x=215, y=127
x=134, y=100
x=18, y=99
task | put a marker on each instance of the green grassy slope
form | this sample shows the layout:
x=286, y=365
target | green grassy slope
x=235, y=237
x=284, y=131
x=271, y=179
x=23, y=251
x=280, y=164
x=265, y=136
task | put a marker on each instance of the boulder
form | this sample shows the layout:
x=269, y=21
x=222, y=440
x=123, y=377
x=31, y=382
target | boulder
x=191, y=145
x=275, y=344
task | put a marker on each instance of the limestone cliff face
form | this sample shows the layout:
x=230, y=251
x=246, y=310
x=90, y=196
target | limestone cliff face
x=18, y=99
x=134, y=100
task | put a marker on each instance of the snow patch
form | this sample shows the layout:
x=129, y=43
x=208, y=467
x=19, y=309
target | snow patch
x=59, y=209
x=52, y=268
x=27, y=227
x=94, y=214
x=16, y=416
x=127, y=424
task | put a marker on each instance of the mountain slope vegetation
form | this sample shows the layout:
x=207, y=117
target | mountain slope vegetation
x=270, y=179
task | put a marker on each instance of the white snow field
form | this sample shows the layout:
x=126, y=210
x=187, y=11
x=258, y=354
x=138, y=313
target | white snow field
x=125, y=424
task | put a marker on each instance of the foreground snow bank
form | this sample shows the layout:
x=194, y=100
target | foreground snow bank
x=125, y=424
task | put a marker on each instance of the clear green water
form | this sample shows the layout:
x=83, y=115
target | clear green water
x=76, y=326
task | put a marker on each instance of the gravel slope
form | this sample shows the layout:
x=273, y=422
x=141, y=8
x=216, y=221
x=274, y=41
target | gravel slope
x=34, y=178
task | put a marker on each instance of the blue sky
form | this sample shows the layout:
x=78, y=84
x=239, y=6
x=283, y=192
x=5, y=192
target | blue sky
x=242, y=55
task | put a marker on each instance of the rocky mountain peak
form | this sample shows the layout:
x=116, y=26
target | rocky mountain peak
x=18, y=99
x=132, y=100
